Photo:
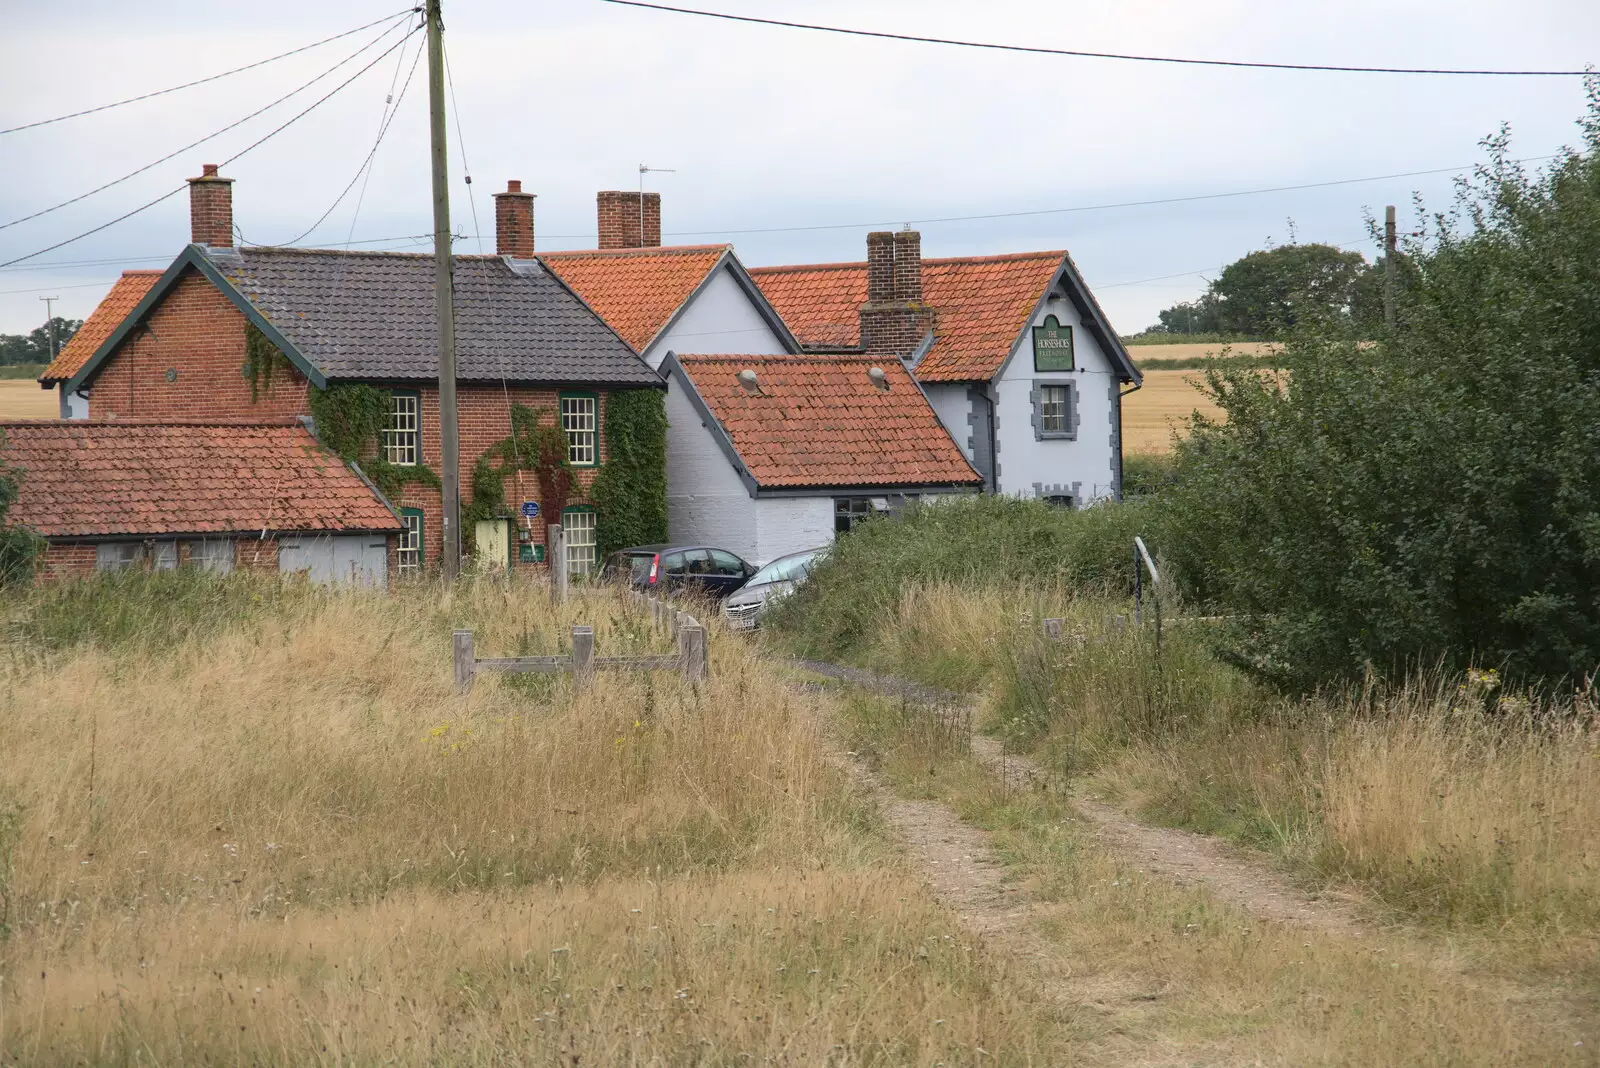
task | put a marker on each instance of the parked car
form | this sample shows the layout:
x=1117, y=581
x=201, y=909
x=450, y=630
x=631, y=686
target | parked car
x=671, y=568
x=774, y=582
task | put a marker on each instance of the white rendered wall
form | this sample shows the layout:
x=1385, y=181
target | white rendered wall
x=791, y=524
x=720, y=318
x=706, y=500
x=1055, y=466
x=951, y=404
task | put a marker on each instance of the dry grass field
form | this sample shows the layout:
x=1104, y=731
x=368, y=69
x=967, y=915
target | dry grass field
x=1152, y=412
x=23, y=399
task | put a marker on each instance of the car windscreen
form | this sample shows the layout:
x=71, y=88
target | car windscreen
x=784, y=569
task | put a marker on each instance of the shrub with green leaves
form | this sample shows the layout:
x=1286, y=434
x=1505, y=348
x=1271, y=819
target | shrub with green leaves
x=1434, y=496
x=20, y=548
x=975, y=543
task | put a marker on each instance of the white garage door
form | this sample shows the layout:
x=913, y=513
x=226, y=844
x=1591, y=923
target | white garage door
x=362, y=560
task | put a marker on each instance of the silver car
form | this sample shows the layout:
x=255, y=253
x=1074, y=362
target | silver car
x=744, y=609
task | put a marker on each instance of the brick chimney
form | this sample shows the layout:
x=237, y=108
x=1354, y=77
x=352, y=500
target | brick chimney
x=894, y=320
x=211, y=209
x=513, y=222
x=619, y=214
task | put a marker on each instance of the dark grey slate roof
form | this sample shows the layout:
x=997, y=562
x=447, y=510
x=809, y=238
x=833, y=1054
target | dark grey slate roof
x=370, y=315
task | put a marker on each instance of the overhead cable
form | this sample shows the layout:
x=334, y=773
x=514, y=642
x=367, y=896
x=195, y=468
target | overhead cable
x=1099, y=55
x=208, y=137
x=253, y=145
x=211, y=78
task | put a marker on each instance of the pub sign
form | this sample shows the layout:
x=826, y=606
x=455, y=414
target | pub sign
x=1052, y=346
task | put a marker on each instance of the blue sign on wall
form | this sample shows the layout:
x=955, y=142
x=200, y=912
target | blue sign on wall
x=530, y=509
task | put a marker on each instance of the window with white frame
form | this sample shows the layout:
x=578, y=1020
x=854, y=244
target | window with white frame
x=1053, y=413
x=116, y=555
x=579, y=420
x=578, y=530
x=408, y=555
x=402, y=437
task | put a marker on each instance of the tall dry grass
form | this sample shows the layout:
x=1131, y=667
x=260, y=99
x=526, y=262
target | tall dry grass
x=253, y=822
x=1446, y=799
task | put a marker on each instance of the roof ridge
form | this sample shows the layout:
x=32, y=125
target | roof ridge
x=618, y=253
x=286, y=422
x=788, y=358
x=995, y=257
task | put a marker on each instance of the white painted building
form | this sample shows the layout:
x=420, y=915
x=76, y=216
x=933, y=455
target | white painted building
x=1013, y=352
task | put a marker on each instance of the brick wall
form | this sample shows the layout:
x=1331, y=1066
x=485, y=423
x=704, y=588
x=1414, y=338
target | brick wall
x=189, y=364
x=64, y=561
x=484, y=416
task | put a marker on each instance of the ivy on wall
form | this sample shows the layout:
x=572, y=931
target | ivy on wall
x=630, y=493
x=20, y=548
x=350, y=418
x=262, y=360
x=532, y=446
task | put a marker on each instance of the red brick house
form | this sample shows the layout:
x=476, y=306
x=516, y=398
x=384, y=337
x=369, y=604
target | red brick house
x=220, y=495
x=192, y=347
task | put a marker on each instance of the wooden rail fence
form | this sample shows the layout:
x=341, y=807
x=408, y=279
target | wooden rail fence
x=582, y=663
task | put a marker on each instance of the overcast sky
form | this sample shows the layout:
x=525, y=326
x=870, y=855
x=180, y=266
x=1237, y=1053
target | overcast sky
x=769, y=128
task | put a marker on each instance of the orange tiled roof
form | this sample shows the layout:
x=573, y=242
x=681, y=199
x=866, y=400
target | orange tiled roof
x=82, y=478
x=635, y=290
x=125, y=294
x=819, y=421
x=980, y=303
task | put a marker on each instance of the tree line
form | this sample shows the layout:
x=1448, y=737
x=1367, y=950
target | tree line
x=34, y=347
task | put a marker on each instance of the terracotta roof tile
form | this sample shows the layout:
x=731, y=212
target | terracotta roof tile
x=82, y=478
x=636, y=290
x=981, y=304
x=114, y=307
x=819, y=421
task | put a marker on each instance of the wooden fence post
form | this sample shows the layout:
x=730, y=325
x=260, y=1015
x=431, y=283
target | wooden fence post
x=556, y=557
x=582, y=656
x=462, y=655
x=692, y=651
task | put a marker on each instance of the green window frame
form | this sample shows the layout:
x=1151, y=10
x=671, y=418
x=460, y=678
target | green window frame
x=580, y=420
x=409, y=558
x=402, y=433
x=581, y=551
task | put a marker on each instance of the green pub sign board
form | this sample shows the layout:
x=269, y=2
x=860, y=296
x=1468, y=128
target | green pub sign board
x=530, y=554
x=1052, y=346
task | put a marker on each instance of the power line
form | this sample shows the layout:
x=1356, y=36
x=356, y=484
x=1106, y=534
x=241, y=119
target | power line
x=212, y=78
x=39, y=289
x=383, y=129
x=1095, y=55
x=208, y=137
x=1094, y=207
x=253, y=145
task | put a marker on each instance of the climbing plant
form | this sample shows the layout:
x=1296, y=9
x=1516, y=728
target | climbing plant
x=350, y=418
x=262, y=359
x=532, y=446
x=20, y=548
x=630, y=493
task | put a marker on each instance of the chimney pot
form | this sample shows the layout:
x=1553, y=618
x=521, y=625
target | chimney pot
x=211, y=208
x=513, y=222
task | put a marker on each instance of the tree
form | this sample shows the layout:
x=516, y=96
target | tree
x=1432, y=497
x=34, y=347
x=1267, y=293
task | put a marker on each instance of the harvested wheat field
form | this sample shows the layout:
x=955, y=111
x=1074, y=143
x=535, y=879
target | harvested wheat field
x=23, y=399
x=1151, y=413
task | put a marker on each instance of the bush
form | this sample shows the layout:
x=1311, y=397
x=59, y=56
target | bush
x=1433, y=498
x=971, y=543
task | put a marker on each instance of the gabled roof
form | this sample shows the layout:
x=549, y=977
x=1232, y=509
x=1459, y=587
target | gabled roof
x=981, y=306
x=641, y=291
x=819, y=422
x=125, y=294
x=83, y=478
x=371, y=316
x=636, y=290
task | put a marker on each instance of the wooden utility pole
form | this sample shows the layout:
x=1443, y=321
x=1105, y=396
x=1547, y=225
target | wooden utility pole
x=1389, y=241
x=444, y=300
x=50, y=318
